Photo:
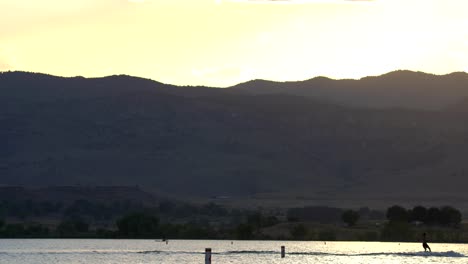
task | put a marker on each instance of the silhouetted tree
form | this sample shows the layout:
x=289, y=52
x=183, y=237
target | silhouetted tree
x=258, y=220
x=270, y=221
x=255, y=220
x=364, y=212
x=449, y=216
x=72, y=228
x=418, y=213
x=299, y=232
x=350, y=217
x=327, y=235
x=376, y=215
x=397, y=214
x=432, y=216
x=185, y=210
x=14, y=230
x=138, y=225
x=244, y=231
x=397, y=231
x=192, y=231
x=37, y=231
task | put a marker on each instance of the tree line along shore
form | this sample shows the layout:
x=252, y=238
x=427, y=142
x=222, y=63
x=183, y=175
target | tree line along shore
x=177, y=220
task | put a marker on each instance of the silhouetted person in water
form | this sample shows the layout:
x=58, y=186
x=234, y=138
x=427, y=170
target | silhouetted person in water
x=425, y=245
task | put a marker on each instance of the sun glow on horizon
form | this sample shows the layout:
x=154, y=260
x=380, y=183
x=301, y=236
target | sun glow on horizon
x=221, y=43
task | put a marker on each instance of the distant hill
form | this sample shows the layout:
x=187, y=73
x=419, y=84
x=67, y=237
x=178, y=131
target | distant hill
x=399, y=89
x=400, y=137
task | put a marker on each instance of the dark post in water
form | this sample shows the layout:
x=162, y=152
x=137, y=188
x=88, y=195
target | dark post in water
x=283, y=251
x=207, y=255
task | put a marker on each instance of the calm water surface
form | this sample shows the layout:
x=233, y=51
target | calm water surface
x=54, y=251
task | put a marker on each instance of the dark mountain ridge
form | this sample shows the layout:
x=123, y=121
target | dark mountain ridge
x=399, y=89
x=237, y=142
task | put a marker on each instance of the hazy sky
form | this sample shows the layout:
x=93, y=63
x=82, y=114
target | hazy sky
x=224, y=42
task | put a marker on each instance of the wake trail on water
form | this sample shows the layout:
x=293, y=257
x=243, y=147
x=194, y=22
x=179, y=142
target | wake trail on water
x=447, y=254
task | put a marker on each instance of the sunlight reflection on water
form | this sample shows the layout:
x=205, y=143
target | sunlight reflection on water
x=192, y=251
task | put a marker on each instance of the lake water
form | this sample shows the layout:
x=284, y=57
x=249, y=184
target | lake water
x=52, y=251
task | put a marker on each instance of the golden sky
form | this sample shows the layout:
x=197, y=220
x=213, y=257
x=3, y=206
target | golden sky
x=224, y=42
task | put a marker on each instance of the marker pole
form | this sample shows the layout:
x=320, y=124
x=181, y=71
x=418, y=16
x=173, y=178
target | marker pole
x=207, y=255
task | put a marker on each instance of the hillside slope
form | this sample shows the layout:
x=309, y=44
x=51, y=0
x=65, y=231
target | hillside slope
x=399, y=89
x=123, y=130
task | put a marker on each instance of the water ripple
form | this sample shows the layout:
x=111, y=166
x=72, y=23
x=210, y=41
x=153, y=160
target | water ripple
x=447, y=254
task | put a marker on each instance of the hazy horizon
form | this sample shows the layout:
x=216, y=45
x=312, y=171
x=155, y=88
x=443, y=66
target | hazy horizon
x=235, y=84
x=221, y=43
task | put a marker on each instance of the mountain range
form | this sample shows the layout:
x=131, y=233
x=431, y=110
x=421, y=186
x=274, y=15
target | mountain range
x=397, y=138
